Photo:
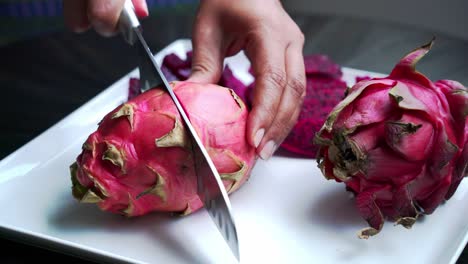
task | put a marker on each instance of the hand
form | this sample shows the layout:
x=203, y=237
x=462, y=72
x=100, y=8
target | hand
x=102, y=15
x=273, y=43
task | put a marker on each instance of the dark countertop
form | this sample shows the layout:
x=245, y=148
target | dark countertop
x=45, y=78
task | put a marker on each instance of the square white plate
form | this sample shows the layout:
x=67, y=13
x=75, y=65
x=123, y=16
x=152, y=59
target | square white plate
x=286, y=213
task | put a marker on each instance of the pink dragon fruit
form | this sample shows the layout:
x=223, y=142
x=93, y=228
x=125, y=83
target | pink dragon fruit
x=398, y=143
x=140, y=160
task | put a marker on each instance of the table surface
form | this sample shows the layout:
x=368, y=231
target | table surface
x=45, y=78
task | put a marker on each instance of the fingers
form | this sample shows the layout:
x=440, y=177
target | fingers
x=208, y=49
x=268, y=62
x=278, y=95
x=291, y=101
x=273, y=43
x=104, y=15
x=75, y=14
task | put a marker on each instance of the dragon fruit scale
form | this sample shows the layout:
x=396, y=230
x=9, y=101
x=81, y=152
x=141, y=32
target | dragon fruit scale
x=139, y=160
x=398, y=143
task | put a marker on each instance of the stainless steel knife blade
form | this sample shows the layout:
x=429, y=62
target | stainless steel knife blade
x=209, y=185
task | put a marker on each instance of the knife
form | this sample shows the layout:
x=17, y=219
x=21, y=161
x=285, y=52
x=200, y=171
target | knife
x=210, y=188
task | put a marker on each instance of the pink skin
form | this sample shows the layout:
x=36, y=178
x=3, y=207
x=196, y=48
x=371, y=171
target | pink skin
x=409, y=145
x=368, y=138
x=400, y=166
x=362, y=111
x=262, y=28
x=223, y=135
x=457, y=101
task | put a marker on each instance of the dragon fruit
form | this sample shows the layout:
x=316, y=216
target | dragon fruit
x=398, y=143
x=140, y=159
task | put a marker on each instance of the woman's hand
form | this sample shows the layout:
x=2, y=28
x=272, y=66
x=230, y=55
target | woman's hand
x=102, y=15
x=262, y=28
x=273, y=43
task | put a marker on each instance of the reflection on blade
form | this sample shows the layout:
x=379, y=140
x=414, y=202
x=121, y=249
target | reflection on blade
x=213, y=195
x=210, y=187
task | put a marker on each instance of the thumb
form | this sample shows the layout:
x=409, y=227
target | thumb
x=207, y=61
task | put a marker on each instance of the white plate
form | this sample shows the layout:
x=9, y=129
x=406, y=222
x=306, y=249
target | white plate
x=286, y=213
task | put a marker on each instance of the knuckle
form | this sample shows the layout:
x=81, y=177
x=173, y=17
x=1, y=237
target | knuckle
x=201, y=67
x=296, y=35
x=301, y=37
x=274, y=77
x=204, y=66
x=297, y=88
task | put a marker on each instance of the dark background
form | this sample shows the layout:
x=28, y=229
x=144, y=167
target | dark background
x=46, y=77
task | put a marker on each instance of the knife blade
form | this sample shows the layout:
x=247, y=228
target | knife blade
x=210, y=188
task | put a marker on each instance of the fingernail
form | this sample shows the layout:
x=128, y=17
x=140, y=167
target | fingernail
x=102, y=29
x=258, y=137
x=81, y=28
x=268, y=150
x=143, y=12
x=145, y=8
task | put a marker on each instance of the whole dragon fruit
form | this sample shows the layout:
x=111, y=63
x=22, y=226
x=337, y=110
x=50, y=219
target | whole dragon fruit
x=140, y=159
x=398, y=143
